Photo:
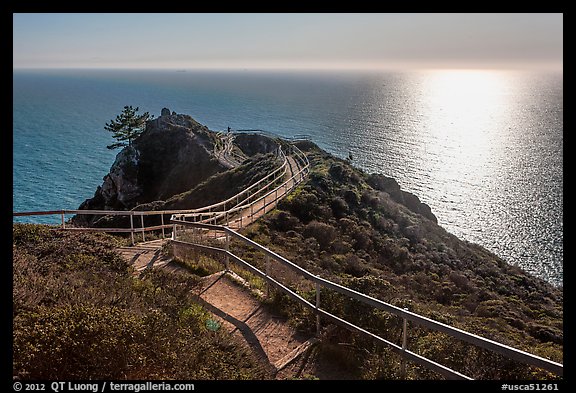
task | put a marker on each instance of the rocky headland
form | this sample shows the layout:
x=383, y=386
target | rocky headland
x=177, y=163
x=355, y=228
x=176, y=154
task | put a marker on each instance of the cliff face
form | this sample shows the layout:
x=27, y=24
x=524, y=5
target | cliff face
x=173, y=154
x=121, y=186
x=411, y=201
x=178, y=163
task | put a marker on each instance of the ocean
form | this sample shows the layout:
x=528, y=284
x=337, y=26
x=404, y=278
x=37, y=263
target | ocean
x=483, y=148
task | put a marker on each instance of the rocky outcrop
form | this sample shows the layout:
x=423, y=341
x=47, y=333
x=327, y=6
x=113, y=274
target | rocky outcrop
x=411, y=201
x=173, y=155
x=176, y=154
x=251, y=144
x=120, y=186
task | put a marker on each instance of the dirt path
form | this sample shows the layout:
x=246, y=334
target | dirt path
x=270, y=336
x=278, y=346
x=224, y=151
x=257, y=210
x=274, y=341
x=283, y=352
x=286, y=353
x=146, y=255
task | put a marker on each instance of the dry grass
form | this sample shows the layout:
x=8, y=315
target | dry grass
x=79, y=313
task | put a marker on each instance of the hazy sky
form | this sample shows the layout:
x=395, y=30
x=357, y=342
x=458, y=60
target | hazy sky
x=320, y=40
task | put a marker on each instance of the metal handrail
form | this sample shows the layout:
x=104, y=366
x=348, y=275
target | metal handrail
x=246, y=190
x=460, y=334
x=441, y=369
x=205, y=210
x=239, y=207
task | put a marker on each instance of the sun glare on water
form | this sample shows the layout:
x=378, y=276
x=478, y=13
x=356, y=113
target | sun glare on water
x=465, y=113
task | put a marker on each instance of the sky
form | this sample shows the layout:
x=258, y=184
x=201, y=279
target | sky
x=288, y=40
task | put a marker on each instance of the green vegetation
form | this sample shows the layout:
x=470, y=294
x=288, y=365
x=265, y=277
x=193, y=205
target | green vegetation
x=127, y=126
x=339, y=227
x=79, y=312
x=223, y=185
x=216, y=188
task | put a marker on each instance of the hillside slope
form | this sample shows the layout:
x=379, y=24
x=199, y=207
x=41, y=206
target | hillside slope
x=343, y=225
x=363, y=231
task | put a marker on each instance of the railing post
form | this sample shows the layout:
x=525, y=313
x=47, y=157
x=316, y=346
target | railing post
x=317, y=307
x=404, y=344
x=227, y=249
x=162, y=222
x=132, y=226
x=267, y=276
x=63, y=224
x=142, y=222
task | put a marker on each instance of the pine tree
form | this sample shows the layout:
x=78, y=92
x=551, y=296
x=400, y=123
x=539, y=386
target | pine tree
x=127, y=126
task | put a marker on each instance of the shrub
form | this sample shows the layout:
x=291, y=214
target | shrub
x=339, y=207
x=355, y=266
x=303, y=206
x=77, y=315
x=324, y=234
x=29, y=233
x=460, y=280
x=284, y=221
x=351, y=198
x=76, y=342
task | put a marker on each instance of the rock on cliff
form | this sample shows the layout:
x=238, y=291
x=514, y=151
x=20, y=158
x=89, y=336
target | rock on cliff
x=411, y=201
x=173, y=165
x=121, y=186
x=251, y=144
x=173, y=154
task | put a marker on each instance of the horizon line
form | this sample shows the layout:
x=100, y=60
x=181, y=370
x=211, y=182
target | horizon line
x=510, y=67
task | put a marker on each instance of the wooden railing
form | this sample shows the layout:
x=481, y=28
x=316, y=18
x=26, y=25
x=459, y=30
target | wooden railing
x=407, y=316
